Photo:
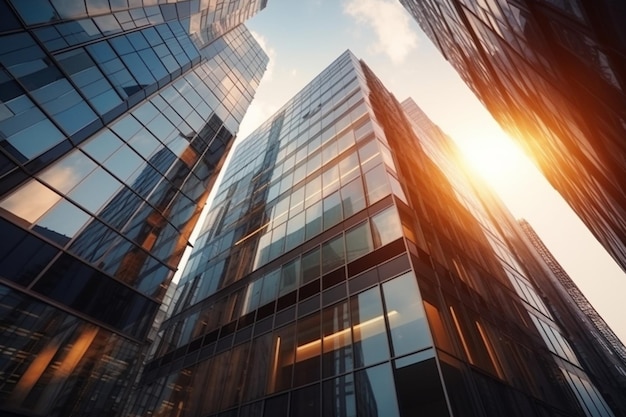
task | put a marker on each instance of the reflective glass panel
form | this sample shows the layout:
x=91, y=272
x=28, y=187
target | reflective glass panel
x=359, y=241
x=375, y=392
x=386, y=227
x=405, y=313
x=370, y=338
x=30, y=201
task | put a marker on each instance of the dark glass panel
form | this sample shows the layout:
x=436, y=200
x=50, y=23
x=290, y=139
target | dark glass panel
x=77, y=285
x=375, y=392
x=305, y=402
x=35, y=11
x=359, y=241
x=311, y=265
x=22, y=256
x=276, y=406
x=420, y=391
x=259, y=365
x=283, y=356
x=339, y=398
x=308, y=350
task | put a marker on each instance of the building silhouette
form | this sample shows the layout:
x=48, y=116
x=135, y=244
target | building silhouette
x=349, y=266
x=115, y=118
x=553, y=74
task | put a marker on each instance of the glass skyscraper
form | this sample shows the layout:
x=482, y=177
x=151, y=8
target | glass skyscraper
x=553, y=74
x=347, y=267
x=114, y=120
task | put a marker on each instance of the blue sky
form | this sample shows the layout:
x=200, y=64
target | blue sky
x=302, y=37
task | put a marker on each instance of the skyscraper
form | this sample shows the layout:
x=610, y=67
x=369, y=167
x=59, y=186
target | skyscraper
x=348, y=268
x=600, y=349
x=114, y=120
x=553, y=74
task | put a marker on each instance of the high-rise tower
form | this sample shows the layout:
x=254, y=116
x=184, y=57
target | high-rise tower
x=553, y=74
x=114, y=119
x=347, y=267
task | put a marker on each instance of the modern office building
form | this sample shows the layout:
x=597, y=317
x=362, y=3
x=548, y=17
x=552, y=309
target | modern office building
x=348, y=268
x=553, y=74
x=114, y=120
x=599, y=348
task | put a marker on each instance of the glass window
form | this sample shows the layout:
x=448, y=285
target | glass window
x=313, y=220
x=386, y=227
x=305, y=402
x=253, y=295
x=68, y=172
x=370, y=339
x=35, y=139
x=35, y=11
x=339, y=397
x=349, y=168
x=63, y=221
x=359, y=241
x=377, y=184
x=369, y=155
x=102, y=146
x=270, y=287
x=283, y=357
x=308, y=351
x=407, y=320
x=295, y=231
x=330, y=180
x=289, y=277
x=95, y=190
x=375, y=392
x=333, y=255
x=30, y=201
x=313, y=191
x=258, y=366
x=311, y=265
x=332, y=210
x=337, y=339
x=353, y=198
x=124, y=163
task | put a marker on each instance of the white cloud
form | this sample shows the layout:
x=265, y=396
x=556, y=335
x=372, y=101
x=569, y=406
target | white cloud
x=271, y=53
x=390, y=22
x=258, y=113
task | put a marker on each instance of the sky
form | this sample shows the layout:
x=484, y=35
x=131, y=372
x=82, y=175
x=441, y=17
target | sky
x=303, y=37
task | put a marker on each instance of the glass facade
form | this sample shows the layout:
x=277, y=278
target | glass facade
x=115, y=118
x=348, y=268
x=553, y=74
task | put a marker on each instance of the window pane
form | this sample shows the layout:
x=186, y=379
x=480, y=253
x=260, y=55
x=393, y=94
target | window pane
x=68, y=172
x=30, y=201
x=353, y=198
x=283, y=355
x=95, y=190
x=270, y=287
x=306, y=402
x=375, y=392
x=332, y=254
x=289, y=278
x=337, y=339
x=407, y=321
x=338, y=397
x=359, y=241
x=63, y=221
x=311, y=265
x=386, y=227
x=313, y=220
x=332, y=210
x=370, y=339
x=308, y=351
x=349, y=168
x=377, y=184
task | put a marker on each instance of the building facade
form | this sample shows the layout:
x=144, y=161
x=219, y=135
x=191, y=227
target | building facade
x=346, y=268
x=114, y=120
x=601, y=351
x=553, y=74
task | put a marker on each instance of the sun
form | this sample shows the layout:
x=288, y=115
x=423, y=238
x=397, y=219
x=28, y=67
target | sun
x=493, y=155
